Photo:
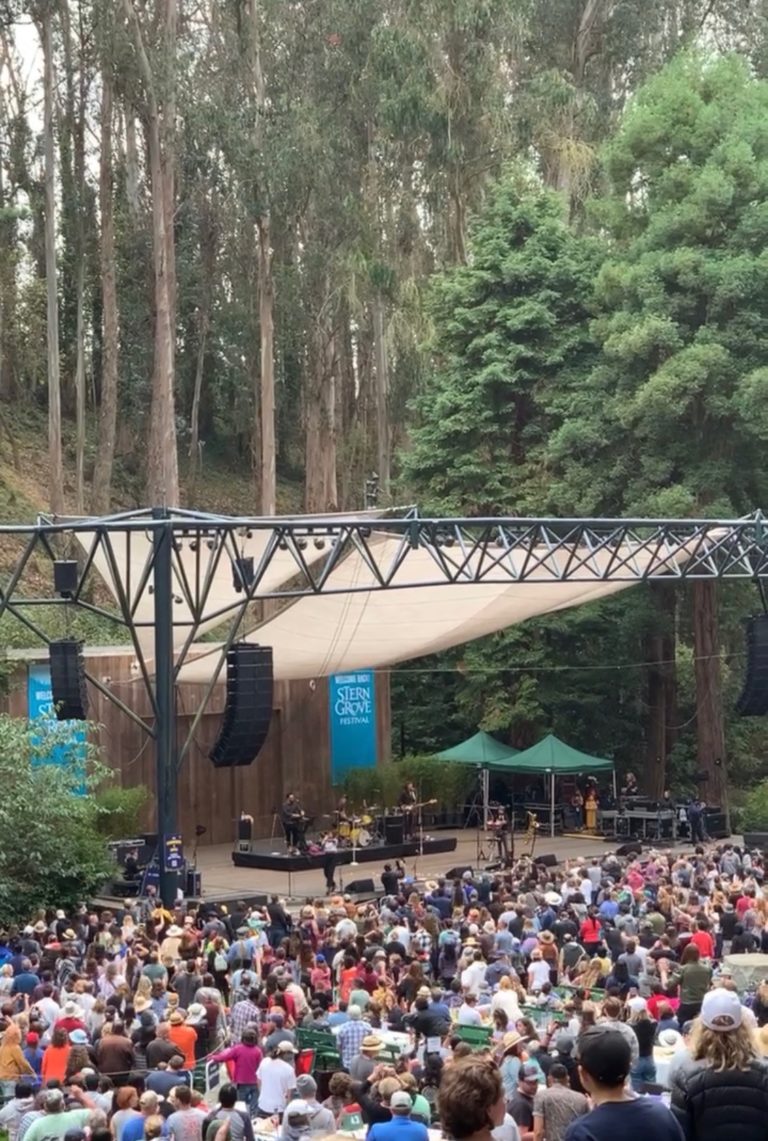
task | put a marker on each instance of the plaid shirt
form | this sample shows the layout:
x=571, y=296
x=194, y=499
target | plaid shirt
x=243, y=1014
x=351, y=1039
x=421, y=942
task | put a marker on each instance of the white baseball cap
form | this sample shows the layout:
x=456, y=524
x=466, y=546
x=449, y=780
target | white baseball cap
x=721, y=1010
x=637, y=1004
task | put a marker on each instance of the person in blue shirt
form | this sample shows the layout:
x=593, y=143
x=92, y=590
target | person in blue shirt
x=401, y=1127
x=33, y=1053
x=26, y=980
x=604, y=1058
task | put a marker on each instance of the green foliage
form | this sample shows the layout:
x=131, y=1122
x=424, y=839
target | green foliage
x=754, y=811
x=120, y=810
x=443, y=781
x=509, y=327
x=51, y=850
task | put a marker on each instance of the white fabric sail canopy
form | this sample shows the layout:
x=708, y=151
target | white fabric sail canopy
x=133, y=554
x=333, y=633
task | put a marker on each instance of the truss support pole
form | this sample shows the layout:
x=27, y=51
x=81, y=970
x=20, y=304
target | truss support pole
x=165, y=724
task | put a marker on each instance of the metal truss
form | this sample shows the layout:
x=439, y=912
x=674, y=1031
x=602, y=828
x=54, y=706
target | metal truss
x=176, y=558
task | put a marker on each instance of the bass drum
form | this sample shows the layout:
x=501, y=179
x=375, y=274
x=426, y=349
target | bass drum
x=363, y=838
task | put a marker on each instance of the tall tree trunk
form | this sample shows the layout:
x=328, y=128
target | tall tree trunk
x=662, y=689
x=105, y=451
x=195, y=461
x=162, y=459
x=264, y=399
x=710, y=729
x=54, y=378
x=321, y=492
x=131, y=163
x=382, y=393
x=267, y=390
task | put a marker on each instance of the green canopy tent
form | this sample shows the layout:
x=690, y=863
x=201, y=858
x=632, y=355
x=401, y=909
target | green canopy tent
x=484, y=752
x=553, y=757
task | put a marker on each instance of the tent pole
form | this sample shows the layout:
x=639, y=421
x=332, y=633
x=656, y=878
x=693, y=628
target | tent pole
x=552, y=806
x=613, y=777
x=486, y=789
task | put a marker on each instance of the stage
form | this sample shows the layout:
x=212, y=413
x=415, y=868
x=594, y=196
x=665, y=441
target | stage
x=268, y=856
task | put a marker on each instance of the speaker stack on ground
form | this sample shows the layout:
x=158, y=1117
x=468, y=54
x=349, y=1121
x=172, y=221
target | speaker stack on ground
x=248, y=710
x=70, y=695
x=631, y=848
x=547, y=861
x=753, y=700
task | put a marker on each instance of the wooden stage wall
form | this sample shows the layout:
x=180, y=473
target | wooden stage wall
x=295, y=757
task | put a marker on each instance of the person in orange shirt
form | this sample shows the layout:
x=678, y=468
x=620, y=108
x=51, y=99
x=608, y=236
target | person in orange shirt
x=347, y=976
x=183, y=1036
x=54, y=1064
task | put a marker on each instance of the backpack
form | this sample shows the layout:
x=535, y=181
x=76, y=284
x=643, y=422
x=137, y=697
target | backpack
x=220, y=963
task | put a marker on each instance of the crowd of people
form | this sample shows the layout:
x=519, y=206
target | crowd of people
x=575, y=1003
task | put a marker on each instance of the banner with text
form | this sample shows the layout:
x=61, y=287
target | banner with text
x=352, y=701
x=71, y=738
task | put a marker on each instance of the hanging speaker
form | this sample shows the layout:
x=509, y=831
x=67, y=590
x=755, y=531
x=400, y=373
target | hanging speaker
x=70, y=695
x=65, y=577
x=248, y=710
x=753, y=700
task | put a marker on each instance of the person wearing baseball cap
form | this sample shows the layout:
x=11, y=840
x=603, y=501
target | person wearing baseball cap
x=277, y=1080
x=521, y=1102
x=722, y=1093
x=400, y=1127
x=605, y=1057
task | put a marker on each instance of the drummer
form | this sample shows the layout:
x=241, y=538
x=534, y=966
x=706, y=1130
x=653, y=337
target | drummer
x=341, y=815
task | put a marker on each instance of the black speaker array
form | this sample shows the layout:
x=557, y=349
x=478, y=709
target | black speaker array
x=248, y=710
x=753, y=700
x=70, y=695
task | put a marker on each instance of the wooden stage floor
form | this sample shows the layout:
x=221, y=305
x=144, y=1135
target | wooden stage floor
x=222, y=880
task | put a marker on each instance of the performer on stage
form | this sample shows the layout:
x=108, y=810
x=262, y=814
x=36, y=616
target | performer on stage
x=408, y=800
x=330, y=847
x=630, y=786
x=577, y=808
x=294, y=822
x=499, y=826
x=341, y=815
x=590, y=809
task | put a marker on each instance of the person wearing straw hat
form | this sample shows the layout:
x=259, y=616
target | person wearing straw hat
x=363, y=1064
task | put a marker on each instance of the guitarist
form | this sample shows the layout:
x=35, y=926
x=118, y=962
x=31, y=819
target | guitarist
x=407, y=804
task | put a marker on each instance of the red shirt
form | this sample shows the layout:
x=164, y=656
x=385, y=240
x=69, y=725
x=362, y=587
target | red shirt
x=590, y=930
x=743, y=903
x=706, y=944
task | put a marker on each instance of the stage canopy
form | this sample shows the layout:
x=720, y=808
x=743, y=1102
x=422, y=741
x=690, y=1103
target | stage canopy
x=551, y=755
x=553, y=758
x=363, y=604
x=356, y=626
x=481, y=749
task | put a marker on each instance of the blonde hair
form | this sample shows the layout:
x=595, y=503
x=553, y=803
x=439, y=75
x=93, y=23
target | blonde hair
x=730, y=1050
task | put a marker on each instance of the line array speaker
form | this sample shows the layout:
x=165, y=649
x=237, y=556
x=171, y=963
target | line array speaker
x=753, y=700
x=68, y=688
x=248, y=710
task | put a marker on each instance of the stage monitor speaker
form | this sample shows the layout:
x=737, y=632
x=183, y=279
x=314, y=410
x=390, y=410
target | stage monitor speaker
x=360, y=887
x=394, y=830
x=248, y=710
x=548, y=861
x=631, y=848
x=457, y=872
x=68, y=688
x=753, y=700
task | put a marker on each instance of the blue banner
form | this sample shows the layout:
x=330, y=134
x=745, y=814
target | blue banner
x=352, y=704
x=40, y=705
x=174, y=853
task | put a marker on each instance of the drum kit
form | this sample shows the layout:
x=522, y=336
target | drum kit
x=360, y=831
